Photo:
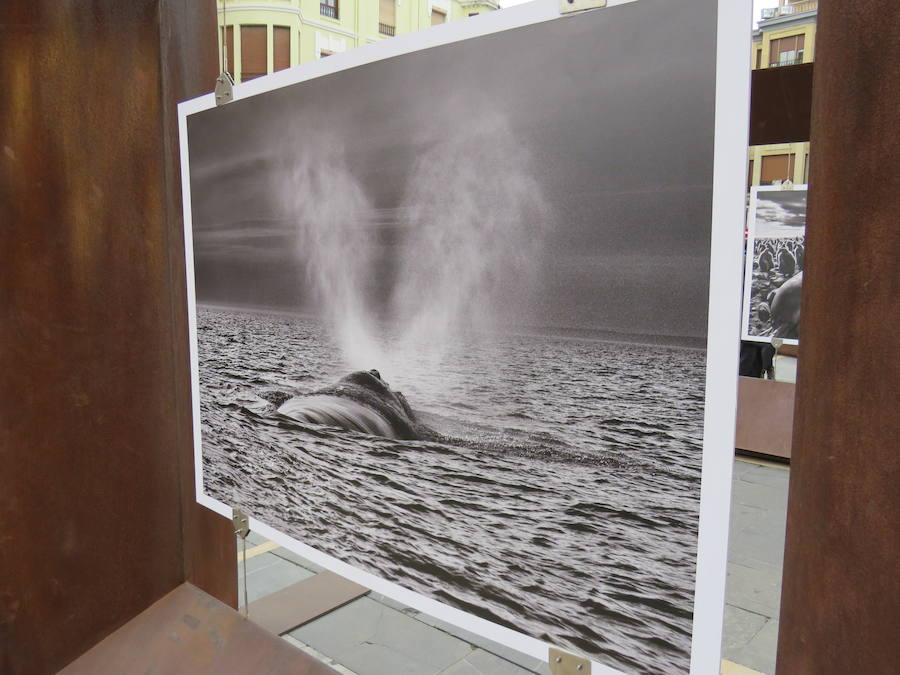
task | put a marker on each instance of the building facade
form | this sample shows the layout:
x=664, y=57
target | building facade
x=269, y=35
x=786, y=36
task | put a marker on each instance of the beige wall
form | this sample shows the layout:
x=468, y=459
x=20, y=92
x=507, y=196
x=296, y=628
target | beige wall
x=312, y=33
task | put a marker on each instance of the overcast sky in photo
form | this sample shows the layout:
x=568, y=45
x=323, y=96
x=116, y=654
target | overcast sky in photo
x=598, y=128
x=758, y=6
x=780, y=213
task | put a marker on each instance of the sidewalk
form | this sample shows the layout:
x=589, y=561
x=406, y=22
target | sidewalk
x=755, y=558
x=373, y=635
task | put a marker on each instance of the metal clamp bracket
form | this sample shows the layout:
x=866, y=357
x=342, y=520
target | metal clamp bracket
x=241, y=523
x=224, y=89
x=570, y=6
x=563, y=663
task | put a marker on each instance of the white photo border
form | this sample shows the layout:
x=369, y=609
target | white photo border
x=730, y=148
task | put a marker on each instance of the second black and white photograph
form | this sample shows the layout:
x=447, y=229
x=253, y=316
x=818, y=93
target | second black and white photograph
x=776, y=240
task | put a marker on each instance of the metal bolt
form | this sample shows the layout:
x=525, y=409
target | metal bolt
x=578, y=667
x=559, y=659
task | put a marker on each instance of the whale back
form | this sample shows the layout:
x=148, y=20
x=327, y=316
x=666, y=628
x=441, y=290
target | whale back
x=361, y=401
x=336, y=411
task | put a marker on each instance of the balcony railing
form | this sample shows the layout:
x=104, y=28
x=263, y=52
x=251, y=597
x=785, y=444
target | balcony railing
x=798, y=7
x=386, y=29
x=331, y=11
x=789, y=9
x=791, y=62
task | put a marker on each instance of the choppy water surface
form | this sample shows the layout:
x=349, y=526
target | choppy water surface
x=568, y=511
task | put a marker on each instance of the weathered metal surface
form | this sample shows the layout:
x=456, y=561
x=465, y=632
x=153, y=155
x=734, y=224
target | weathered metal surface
x=189, y=631
x=841, y=590
x=780, y=104
x=765, y=417
x=303, y=602
x=96, y=496
x=188, y=68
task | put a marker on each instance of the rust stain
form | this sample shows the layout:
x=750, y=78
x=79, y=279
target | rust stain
x=215, y=638
x=190, y=621
x=9, y=607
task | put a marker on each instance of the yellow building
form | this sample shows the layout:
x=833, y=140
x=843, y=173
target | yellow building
x=786, y=36
x=264, y=36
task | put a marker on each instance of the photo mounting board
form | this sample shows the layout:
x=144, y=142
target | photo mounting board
x=732, y=77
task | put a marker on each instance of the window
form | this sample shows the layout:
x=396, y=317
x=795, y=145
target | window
x=750, y=175
x=329, y=8
x=253, y=52
x=437, y=17
x=281, y=51
x=759, y=58
x=387, y=17
x=806, y=168
x=786, y=51
x=775, y=168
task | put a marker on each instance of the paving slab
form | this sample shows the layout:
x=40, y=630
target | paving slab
x=755, y=560
x=461, y=668
x=527, y=663
x=760, y=652
x=757, y=549
x=491, y=664
x=740, y=627
x=268, y=574
x=368, y=637
x=745, y=492
x=481, y=662
x=760, y=520
x=253, y=539
x=258, y=562
x=776, y=477
x=298, y=560
x=315, y=653
x=754, y=589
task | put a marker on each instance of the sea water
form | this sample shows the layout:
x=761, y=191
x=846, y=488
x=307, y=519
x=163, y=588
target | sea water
x=566, y=508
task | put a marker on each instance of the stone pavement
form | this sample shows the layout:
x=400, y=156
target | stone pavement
x=755, y=558
x=374, y=635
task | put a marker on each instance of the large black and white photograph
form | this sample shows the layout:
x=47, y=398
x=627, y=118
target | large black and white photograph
x=451, y=320
x=776, y=238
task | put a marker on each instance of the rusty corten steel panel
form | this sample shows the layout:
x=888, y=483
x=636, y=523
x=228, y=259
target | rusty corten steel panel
x=765, y=417
x=94, y=434
x=780, y=100
x=189, y=68
x=840, y=609
x=189, y=631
